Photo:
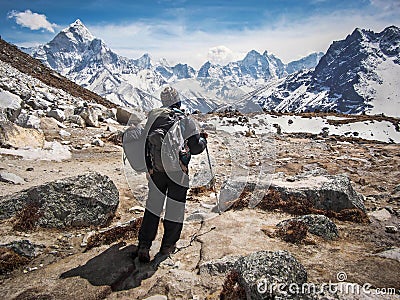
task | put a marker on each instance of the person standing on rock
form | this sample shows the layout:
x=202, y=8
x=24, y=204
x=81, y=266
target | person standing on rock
x=172, y=138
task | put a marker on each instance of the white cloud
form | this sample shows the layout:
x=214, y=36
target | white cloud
x=220, y=55
x=33, y=21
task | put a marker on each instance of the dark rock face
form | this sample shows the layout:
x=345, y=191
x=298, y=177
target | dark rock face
x=80, y=201
x=261, y=273
x=22, y=247
x=317, y=224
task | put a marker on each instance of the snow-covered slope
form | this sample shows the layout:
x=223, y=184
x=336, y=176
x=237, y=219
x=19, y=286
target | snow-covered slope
x=358, y=74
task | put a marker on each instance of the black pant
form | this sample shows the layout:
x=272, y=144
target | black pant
x=161, y=186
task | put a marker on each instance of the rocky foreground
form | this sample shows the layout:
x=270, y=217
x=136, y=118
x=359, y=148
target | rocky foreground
x=330, y=214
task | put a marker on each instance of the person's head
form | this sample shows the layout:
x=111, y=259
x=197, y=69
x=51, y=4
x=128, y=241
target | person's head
x=170, y=97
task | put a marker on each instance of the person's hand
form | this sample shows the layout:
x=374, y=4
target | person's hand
x=204, y=134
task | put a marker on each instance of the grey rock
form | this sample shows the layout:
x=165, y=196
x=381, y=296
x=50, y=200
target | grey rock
x=28, y=120
x=38, y=103
x=78, y=120
x=10, y=178
x=23, y=247
x=64, y=134
x=57, y=114
x=381, y=215
x=128, y=116
x=98, y=142
x=78, y=201
x=391, y=254
x=233, y=188
x=218, y=266
x=10, y=105
x=261, y=271
x=327, y=192
x=319, y=225
x=209, y=127
x=89, y=114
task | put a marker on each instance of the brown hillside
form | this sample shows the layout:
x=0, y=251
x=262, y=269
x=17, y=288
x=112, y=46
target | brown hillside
x=30, y=66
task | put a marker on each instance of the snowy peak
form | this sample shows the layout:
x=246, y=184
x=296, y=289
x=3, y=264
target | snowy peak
x=358, y=74
x=76, y=37
x=78, y=32
x=308, y=62
x=255, y=65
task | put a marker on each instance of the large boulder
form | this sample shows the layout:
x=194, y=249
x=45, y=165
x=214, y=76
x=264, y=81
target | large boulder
x=128, y=116
x=28, y=120
x=79, y=201
x=10, y=106
x=14, y=136
x=325, y=192
x=268, y=275
x=89, y=114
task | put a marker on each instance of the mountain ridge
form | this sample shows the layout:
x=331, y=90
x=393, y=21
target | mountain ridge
x=349, y=78
x=89, y=62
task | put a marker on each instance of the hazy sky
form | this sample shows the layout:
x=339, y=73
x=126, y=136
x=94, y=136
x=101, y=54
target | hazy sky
x=196, y=31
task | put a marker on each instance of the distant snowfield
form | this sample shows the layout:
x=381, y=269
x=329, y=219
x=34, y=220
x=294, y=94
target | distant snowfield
x=385, y=92
x=382, y=131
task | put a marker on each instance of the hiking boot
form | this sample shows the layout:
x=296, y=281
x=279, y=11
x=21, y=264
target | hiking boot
x=144, y=254
x=167, y=250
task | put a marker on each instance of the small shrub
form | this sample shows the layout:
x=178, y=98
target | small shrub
x=9, y=260
x=293, y=232
x=27, y=218
x=115, y=234
x=232, y=290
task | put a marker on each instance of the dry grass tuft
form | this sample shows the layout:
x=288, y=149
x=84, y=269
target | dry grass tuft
x=232, y=290
x=27, y=218
x=114, y=234
x=293, y=232
x=9, y=260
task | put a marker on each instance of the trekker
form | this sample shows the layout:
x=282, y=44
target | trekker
x=167, y=178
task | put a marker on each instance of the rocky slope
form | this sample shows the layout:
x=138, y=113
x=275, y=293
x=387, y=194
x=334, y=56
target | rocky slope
x=26, y=64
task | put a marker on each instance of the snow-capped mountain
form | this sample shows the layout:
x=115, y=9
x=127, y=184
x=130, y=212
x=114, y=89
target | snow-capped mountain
x=358, y=74
x=85, y=59
x=256, y=68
